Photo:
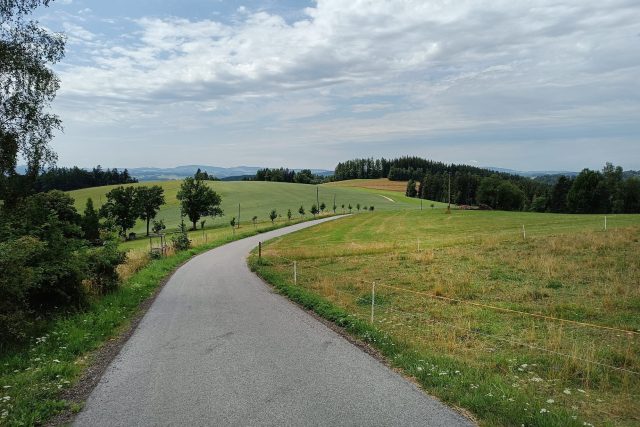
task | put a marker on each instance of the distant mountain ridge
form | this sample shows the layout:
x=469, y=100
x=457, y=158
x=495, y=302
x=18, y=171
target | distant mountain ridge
x=531, y=174
x=180, y=172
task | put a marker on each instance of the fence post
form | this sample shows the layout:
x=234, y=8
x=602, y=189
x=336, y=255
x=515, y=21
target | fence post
x=259, y=252
x=295, y=273
x=605, y=223
x=524, y=233
x=373, y=299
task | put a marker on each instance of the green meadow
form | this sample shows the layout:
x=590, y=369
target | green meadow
x=258, y=199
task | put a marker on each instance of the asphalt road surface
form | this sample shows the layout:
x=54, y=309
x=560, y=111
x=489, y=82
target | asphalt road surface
x=219, y=347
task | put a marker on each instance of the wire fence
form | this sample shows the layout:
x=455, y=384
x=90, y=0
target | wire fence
x=372, y=285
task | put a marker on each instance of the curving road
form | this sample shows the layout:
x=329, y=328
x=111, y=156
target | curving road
x=218, y=347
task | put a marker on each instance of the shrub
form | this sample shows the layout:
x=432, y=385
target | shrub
x=181, y=240
x=103, y=264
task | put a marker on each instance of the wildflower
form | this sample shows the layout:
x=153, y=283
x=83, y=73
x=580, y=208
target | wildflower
x=581, y=391
x=419, y=368
x=550, y=401
x=6, y=398
x=567, y=391
x=56, y=361
x=6, y=387
x=536, y=379
x=543, y=410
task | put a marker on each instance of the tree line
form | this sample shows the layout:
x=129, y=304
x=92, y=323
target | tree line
x=605, y=191
x=305, y=176
x=75, y=178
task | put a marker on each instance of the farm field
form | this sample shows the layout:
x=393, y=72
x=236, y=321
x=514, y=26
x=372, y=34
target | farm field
x=372, y=184
x=542, y=329
x=256, y=198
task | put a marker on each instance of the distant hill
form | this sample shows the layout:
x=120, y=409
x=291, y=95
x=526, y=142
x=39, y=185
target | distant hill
x=532, y=174
x=237, y=173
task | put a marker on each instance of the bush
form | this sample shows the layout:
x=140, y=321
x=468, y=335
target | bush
x=103, y=263
x=181, y=240
x=44, y=261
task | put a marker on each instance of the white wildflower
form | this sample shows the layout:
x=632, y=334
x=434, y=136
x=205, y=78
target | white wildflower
x=567, y=391
x=543, y=410
x=550, y=401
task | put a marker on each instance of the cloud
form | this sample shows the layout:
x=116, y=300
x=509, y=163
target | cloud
x=419, y=68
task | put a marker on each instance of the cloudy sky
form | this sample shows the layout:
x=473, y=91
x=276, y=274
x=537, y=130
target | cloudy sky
x=521, y=84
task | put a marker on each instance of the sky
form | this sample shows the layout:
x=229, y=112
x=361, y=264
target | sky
x=527, y=85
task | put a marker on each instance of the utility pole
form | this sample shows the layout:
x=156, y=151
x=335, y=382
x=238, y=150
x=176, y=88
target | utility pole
x=317, y=197
x=238, y=215
x=334, y=203
x=449, y=207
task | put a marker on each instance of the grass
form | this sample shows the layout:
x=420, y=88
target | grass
x=255, y=198
x=33, y=376
x=372, y=184
x=512, y=368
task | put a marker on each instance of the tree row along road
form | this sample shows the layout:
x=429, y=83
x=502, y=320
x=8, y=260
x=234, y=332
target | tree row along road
x=219, y=347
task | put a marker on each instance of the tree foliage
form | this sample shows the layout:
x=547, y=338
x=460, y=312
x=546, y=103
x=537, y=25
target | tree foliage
x=197, y=199
x=150, y=199
x=27, y=88
x=123, y=207
x=91, y=222
x=67, y=179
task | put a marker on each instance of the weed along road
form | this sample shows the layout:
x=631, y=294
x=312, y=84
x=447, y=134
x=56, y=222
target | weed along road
x=219, y=347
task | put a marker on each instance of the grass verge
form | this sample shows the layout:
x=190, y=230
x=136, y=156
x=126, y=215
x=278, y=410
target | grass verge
x=487, y=396
x=37, y=378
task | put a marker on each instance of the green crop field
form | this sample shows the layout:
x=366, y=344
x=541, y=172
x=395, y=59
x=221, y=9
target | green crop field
x=259, y=198
x=539, y=326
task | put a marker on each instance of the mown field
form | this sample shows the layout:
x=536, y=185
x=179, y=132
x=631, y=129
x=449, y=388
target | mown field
x=257, y=198
x=372, y=184
x=535, y=330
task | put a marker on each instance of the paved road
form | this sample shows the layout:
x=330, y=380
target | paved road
x=218, y=347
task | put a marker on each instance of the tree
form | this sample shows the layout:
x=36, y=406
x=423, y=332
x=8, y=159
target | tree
x=371, y=208
x=232, y=223
x=509, y=197
x=334, y=208
x=197, y=199
x=411, y=189
x=322, y=207
x=358, y=206
x=273, y=215
x=91, y=222
x=301, y=210
x=289, y=215
x=558, y=198
x=158, y=226
x=539, y=204
x=488, y=191
x=123, y=207
x=254, y=220
x=586, y=193
x=343, y=208
x=350, y=208
x=314, y=210
x=28, y=88
x=150, y=200
x=631, y=195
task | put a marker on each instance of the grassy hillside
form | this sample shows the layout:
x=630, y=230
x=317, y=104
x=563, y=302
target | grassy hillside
x=258, y=198
x=372, y=184
x=456, y=291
